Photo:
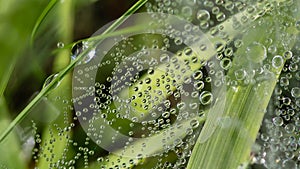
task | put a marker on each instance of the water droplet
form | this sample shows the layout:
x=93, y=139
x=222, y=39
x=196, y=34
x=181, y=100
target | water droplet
x=295, y=92
x=77, y=50
x=50, y=79
x=226, y=63
x=60, y=45
x=256, y=52
x=197, y=75
x=206, y=97
x=164, y=58
x=187, y=11
x=240, y=74
x=290, y=128
x=221, y=17
x=284, y=81
x=288, y=55
x=220, y=47
x=194, y=123
x=277, y=121
x=277, y=61
x=203, y=15
x=293, y=67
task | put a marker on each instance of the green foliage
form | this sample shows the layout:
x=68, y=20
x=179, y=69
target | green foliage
x=226, y=127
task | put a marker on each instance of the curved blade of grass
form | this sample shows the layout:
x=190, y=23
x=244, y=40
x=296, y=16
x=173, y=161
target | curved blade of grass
x=41, y=18
x=61, y=74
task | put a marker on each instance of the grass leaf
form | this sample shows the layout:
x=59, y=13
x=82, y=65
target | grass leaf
x=41, y=18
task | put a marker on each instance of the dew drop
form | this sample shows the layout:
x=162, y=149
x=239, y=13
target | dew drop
x=197, y=75
x=293, y=67
x=206, y=97
x=295, y=92
x=277, y=121
x=194, y=123
x=187, y=11
x=226, y=63
x=203, y=15
x=277, y=61
x=221, y=17
x=288, y=55
x=50, y=79
x=60, y=45
x=256, y=52
x=240, y=74
x=220, y=47
x=289, y=128
x=284, y=81
x=164, y=58
x=77, y=50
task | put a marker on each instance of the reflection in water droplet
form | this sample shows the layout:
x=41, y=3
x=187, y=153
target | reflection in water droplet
x=77, y=50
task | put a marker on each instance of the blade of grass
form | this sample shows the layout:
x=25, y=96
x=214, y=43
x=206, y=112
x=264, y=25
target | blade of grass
x=61, y=74
x=43, y=15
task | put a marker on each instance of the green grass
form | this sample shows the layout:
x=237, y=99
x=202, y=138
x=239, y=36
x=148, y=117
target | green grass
x=227, y=129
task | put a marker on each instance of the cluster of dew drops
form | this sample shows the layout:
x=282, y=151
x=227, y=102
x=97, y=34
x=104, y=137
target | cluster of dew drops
x=279, y=137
